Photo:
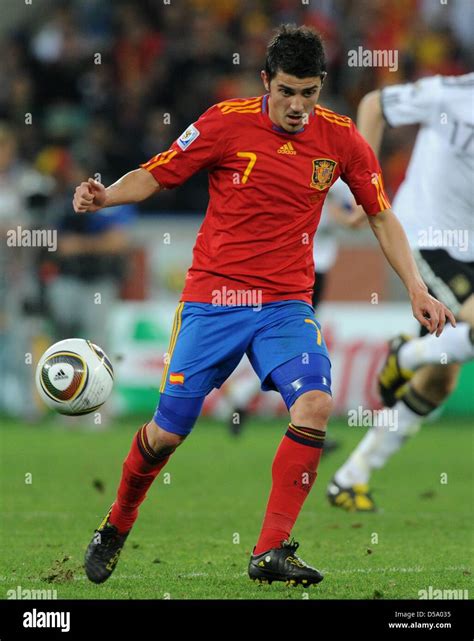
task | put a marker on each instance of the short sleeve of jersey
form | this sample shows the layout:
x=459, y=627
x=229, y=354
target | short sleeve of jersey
x=361, y=171
x=412, y=103
x=199, y=146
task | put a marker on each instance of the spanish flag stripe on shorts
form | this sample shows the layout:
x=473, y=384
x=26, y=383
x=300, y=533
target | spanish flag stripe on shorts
x=173, y=339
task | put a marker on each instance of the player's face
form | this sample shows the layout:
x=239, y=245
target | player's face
x=291, y=99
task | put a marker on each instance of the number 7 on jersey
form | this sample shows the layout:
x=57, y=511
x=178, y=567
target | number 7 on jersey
x=252, y=160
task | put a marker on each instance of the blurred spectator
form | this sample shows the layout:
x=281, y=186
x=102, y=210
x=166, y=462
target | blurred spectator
x=23, y=193
x=84, y=275
x=20, y=183
x=91, y=262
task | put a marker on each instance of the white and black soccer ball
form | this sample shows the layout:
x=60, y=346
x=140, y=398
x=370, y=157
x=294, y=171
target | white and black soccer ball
x=74, y=377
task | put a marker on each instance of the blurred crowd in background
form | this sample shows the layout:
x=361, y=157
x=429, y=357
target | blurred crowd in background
x=99, y=76
x=95, y=87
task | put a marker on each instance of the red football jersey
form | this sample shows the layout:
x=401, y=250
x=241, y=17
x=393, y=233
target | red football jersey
x=267, y=189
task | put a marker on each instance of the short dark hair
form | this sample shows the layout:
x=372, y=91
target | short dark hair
x=298, y=51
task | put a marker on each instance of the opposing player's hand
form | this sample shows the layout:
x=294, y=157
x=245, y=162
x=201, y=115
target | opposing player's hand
x=89, y=196
x=430, y=313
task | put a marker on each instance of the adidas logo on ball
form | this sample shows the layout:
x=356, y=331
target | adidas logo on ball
x=61, y=375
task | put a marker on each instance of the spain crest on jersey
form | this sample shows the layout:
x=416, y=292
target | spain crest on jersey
x=323, y=171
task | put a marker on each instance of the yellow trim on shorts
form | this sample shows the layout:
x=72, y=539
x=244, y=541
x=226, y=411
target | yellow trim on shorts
x=172, y=345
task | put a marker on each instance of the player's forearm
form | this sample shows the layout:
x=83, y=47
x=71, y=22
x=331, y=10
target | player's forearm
x=370, y=120
x=394, y=244
x=133, y=187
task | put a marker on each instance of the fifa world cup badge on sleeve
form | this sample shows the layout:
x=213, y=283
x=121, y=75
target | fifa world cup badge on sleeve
x=187, y=137
x=323, y=171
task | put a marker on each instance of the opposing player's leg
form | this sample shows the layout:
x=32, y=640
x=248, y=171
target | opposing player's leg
x=393, y=376
x=430, y=386
x=456, y=344
x=406, y=355
x=415, y=400
x=417, y=377
x=452, y=282
x=304, y=383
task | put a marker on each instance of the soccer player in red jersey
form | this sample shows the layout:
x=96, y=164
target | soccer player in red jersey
x=271, y=160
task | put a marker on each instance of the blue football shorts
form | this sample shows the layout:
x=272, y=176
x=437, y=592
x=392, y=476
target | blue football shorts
x=208, y=342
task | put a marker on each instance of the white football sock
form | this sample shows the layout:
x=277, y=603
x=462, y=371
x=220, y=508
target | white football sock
x=453, y=346
x=379, y=444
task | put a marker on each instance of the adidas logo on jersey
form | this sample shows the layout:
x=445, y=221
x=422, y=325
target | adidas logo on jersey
x=287, y=148
x=61, y=375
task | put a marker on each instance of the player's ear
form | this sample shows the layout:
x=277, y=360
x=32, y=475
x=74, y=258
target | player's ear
x=264, y=77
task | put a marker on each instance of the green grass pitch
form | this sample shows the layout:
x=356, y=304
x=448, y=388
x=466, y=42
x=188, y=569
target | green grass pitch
x=194, y=534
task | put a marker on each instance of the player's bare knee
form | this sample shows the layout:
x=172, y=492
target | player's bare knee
x=162, y=441
x=444, y=380
x=436, y=382
x=312, y=409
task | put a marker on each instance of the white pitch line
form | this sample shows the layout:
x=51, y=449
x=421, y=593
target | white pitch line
x=238, y=575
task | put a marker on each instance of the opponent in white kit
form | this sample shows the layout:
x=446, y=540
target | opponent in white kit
x=435, y=205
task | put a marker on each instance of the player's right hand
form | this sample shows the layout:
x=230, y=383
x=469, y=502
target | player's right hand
x=89, y=196
x=430, y=312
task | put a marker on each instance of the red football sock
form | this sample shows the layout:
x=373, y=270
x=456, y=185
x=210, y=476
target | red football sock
x=293, y=474
x=140, y=469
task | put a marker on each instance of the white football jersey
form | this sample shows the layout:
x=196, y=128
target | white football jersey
x=435, y=202
x=326, y=245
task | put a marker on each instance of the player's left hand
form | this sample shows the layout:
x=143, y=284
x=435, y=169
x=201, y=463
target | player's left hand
x=430, y=313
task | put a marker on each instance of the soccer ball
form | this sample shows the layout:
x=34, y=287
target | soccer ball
x=74, y=377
